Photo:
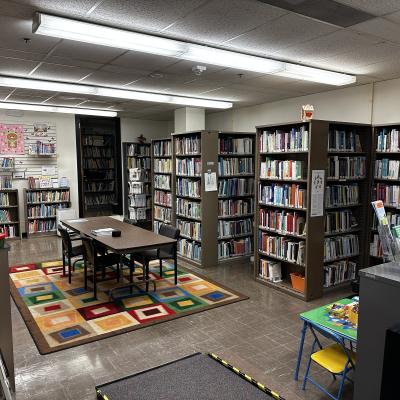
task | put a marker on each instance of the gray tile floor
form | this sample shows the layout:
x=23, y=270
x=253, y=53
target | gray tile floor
x=259, y=335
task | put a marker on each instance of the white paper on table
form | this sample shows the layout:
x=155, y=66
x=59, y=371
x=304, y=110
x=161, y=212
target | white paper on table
x=317, y=192
x=210, y=179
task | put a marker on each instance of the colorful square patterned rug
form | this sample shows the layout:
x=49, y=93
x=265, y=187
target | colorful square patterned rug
x=60, y=315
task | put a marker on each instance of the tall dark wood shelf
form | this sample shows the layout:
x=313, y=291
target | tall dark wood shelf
x=138, y=205
x=40, y=206
x=9, y=204
x=314, y=157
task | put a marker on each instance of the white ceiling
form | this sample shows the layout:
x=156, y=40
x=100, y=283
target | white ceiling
x=371, y=50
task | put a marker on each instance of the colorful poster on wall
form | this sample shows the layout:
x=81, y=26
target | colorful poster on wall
x=11, y=139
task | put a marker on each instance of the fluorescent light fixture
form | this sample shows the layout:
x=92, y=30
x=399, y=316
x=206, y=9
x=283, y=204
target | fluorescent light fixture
x=65, y=28
x=101, y=91
x=305, y=73
x=55, y=109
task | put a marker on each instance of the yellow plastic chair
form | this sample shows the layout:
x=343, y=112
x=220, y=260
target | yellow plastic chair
x=336, y=358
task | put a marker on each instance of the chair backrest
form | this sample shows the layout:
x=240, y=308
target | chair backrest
x=89, y=250
x=66, y=240
x=129, y=221
x=171, y=232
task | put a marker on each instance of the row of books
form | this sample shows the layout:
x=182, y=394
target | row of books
x=283, y=195
x=270, y=270
x=162, y=165
x=189, y=249
x=346, y=167
x=235, y=187
x=99, y=175
x=281, y=141
x=139, y=162
x=339, y=221
x=282, y=247
x=339, y=140
x=4, y=199
x=393, y=219
x=339, y=272
x=44, y=210
x=389, y=194
x=375, y=247
x=189, y=229
x=156, y=226
x=139, y=201
x=187, y=208
x=138, y=188
x=162, y=148
x=97, y=152
x=138, y=149
x=5, y=216
x=47, y=196
x=229, y=145
x=387, y=169
x=162, y=182
x=139, y=175
x=98, y=163
x=40, y=148
x=163, y=198
x=100, y=200
x=138, y=214
x=90, y=140
x=163, y=213
x=341, y=246
x=235, y=166
x=235, y=247
x=5, y=182
x=10, y=230
x=235, y=227
x=188, y=166
x=388, y=141
x=283, y=222
x=188, y=145
x=47, y=225
x=188, y=187
x=99, y=186
x=232, y=208
x=7, y=162
x=287, y=169
x=342, y=195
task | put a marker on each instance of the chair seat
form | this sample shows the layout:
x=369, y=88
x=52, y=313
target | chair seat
x=333, y=358
x=77, y=251
x=152, y=254
x=108, y=260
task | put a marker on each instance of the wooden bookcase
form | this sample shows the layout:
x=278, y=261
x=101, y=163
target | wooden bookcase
x=162, y=183
x=9, y=204
x=314, y=157
x=138, y=193
x=40, y=208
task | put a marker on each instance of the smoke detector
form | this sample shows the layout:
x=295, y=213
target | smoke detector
x=199, y=69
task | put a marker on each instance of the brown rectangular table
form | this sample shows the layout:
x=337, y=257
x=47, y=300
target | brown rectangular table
x=133, y=239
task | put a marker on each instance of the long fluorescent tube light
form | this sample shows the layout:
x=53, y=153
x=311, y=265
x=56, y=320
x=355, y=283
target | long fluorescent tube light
x=65, y=28
x=101, y=91
x=55, y=109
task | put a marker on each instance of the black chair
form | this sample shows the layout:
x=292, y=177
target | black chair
x=97, y=262
x=167, y=252
x=69, y=251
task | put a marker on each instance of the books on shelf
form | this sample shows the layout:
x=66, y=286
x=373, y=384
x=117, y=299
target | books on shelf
x=392, y=218
x=227, y=229
x=270, y=270
x=139, y=162
x=139, y=175
x=342, y=195
x=47, y=196
x=5, y=182
x=339, y=272
x=93, y=140
x=188, y=166
x=97, y=152
x=5, y=216
x=8, y=163
x=138, y=149
x=235, y=166
x=286, y=195
x=162, y=182
x=163, y=213
x=9, y=230
x=387, y=169
x=137, y=214
x=4, y=199
x=280, y=141
x=44, y=211
x=235, y=187
x=339, y=221
x=287, y=169
x=233, y=208
x=189, y=229
x=40, y=148
x=388, y=141
x=389, y=194
x=346, y=167
x=163, y=198
x=342, y=140
x=138, y=188
x=162, y=148
x=283, y=222
x=375, y=247
x=282, y=247
x=188, y=187
x=230, y=145
x=100, y=200
x=189, y=249
x=139, y=201
x=341, y=246
x=95, y=187
x=187, y=208
x=41, y=226
x=98, y=163
x=235, y=247
x=188, y=145
x=163, y=165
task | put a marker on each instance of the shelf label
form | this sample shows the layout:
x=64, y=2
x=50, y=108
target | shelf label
x=317, y=192
x=210, y=179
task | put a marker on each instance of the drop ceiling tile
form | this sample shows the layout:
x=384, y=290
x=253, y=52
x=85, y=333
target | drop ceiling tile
x=221, y=20
x=137, y=60
x=261, y=90
x=394, y=17
x=375, y=7
x=26, y=99
x=32, y=93
x=72, y=62
x=16, y=67
x=232, y=75
x=21, y=55
x=95, y=104
x=384, y=70
x=68, y=7
x=283, y=32
x=195, y=88
x=60, y=72
x=143, y=14
x=380, y=27
x=151, y=85
x=104, y=78
x=13, y=9
x=239, y=96
x=64, y=101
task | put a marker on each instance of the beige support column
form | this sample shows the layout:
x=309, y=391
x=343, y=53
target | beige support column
x=189, y=119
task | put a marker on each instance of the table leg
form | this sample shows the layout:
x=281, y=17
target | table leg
x=300, y=353
x=146, y=266
x=176, y=263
